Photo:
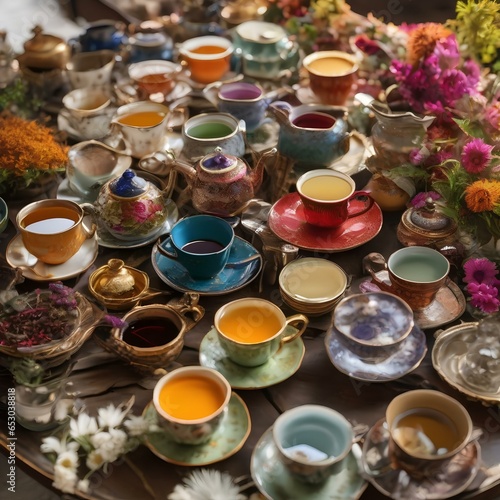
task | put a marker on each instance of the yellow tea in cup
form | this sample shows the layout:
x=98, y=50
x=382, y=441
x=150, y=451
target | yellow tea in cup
x=326, y=188
x=249, y=324
x=191, y=397
x=142, y=119
x=330, y=66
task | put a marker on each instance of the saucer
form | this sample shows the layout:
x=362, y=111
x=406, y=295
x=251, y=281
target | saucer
x=402, y=362
x=287, y=221
x=280, y=367
x=64, y=126
x=447, y=353
x=227, y=440
x=276, y=483
x=17, y=256
x=228, y=280
x=396, y=483
x=448, y=305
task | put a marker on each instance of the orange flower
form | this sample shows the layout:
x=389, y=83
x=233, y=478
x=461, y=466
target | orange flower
x=422, y=40
x=482, y=195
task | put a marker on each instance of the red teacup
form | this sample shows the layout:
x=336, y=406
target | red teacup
x=329, y=198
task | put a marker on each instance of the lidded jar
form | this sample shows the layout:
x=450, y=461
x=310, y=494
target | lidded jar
x=426, y=226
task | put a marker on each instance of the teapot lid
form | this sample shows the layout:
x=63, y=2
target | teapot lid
x=260, y=32
x=42, y=42
x=428, y=220
x=218, y=161
x=128, y=185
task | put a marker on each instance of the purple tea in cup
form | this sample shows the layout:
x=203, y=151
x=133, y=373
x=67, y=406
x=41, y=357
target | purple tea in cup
x=314, y=120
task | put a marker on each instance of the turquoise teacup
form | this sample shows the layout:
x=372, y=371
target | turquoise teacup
x=312, y=442
x=201, y=243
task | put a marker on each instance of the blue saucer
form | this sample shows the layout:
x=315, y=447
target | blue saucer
x=228, y=280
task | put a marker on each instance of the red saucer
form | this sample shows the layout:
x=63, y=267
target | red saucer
x=286, y=220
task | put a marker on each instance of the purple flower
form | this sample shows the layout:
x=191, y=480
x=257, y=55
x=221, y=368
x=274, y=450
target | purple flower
x=472, y=71
x=420, y=199
x=447, y=52
x=454, y=85
x=476, y=156
x=484, y=297
x=481, y=271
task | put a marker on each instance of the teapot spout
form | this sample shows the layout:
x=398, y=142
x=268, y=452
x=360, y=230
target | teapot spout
x=257, y=172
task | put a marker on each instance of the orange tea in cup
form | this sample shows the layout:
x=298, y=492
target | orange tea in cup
x=142, y=119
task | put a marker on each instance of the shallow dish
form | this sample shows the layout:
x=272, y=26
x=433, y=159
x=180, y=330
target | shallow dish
x=373, y=325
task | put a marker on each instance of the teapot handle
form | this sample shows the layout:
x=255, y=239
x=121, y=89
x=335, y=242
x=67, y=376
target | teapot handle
x=281, y=110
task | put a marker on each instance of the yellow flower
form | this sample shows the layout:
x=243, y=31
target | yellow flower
x=482, y=195
x=422, y=40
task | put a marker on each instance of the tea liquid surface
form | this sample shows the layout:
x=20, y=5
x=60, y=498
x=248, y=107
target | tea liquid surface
x=142, y=119
x=326, y=188
x=203, y=246
x=416, y=269
x=150, y=332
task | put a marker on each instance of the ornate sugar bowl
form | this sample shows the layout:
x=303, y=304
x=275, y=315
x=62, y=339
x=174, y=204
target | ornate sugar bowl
x=131, y=208
x=426, y=226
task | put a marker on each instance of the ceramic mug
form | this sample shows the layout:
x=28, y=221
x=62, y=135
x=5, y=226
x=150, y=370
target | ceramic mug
x=207, y=57
x=191, y=403
x=427, y=429
x=312, y=442
x=88, y=111
x=416, y=274
x=53, y=230
x=143, y=125
x=332, y=74
x=201, y=243
x=204, y=132
x=329, y=198
x=252, y=330
x=87, y=69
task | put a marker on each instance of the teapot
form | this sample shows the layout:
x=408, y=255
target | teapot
x=44, y=52
x=132, y=208
x=221, y=184
x=312, y=135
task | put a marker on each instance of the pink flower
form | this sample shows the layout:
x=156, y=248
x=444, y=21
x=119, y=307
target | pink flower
x=417, y=156
x=484, y=297
x=420, y=199
x=481, y=271
x=447, y=52
x=476, y=156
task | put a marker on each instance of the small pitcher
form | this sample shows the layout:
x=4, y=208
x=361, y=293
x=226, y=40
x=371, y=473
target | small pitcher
x=311, y=135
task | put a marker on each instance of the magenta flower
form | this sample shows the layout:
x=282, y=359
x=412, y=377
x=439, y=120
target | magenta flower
x=419, y=200
x=472, y=71
x=476, y=156
x=447, y=52
x=484, y=297
x=417, y=156
x=481, y=271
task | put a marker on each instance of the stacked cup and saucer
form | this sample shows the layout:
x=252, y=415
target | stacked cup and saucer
x=373, y=337
x=425, y=447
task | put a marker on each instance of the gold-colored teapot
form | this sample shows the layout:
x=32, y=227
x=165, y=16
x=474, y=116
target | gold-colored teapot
x=44, y=52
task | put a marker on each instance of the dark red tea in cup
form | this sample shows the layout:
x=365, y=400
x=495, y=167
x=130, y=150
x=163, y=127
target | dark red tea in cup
x=314, y=120
x=150, y=332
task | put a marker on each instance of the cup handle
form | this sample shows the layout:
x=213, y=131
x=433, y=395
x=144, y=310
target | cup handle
x=373, y=263
x=88, y=209
x=294, y=321
x=367, y=203
x=166, y=248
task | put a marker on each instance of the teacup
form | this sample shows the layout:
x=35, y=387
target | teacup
x=201, y=243
x=332, y=74
x=88, y=111
x=245, y=101
x=155, y=76
x=329, y=198
x=143, y=125
x=252, y=330
x=87, y=69
x=207, y=57
x=312, y=442
x=191, y=402
x=427, y=429
x=204, y=132
x=53, y=230
x=373, y=325
x=416, y=274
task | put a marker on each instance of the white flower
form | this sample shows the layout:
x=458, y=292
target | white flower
x=68, y=459
x=64, y=479
x=109, y=444
x=136, y=425
x=95, y=460
x=83, y=485
x=111, y=416
x=52, y=444
x=207, y=484
x=84, y=425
